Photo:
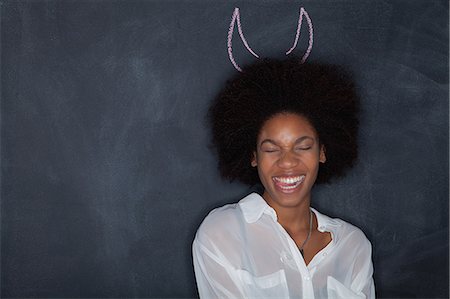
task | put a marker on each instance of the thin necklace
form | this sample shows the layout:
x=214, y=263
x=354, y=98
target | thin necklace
x=309, y=233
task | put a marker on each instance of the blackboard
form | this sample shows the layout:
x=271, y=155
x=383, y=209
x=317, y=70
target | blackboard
x=105, y=167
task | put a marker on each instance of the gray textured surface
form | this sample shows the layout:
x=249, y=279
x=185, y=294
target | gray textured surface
x=106, y=172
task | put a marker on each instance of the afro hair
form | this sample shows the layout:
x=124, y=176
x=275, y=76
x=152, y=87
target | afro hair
x=324, y=94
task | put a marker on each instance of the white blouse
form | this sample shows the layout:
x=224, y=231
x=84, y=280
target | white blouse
x=241, y=251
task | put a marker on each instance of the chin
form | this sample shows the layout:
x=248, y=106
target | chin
x=286, y=199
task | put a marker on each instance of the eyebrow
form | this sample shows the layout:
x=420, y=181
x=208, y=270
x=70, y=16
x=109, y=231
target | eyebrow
x=299, y=140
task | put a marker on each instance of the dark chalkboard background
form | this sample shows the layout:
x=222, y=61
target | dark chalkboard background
x=106, y=173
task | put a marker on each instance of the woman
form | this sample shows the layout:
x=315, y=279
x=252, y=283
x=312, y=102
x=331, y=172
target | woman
x=287, y=126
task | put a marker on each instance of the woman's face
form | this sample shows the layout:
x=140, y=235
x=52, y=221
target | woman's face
x=287, y=155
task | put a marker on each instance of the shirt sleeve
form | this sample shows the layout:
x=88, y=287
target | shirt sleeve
x=362, y=285
x=363, y=271
x=215, y=276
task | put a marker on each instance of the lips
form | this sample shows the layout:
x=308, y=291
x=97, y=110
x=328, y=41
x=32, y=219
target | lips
x=288, y=184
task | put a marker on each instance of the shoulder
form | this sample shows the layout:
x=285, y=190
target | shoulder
x=231, y=221
x=220, y=223
x=354, y=236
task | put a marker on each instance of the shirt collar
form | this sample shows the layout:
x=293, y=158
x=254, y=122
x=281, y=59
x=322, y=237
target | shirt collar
x=327, y=224
x=253, y=206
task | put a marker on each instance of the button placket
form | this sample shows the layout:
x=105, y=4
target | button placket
x=298, y=263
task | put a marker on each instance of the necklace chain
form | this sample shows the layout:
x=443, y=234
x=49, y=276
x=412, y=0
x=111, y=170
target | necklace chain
x=309, y=233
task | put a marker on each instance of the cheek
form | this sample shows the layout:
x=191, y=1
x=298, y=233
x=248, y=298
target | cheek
x=266, y=161
x=311, y=158
x=264, y=166
x=264, y=177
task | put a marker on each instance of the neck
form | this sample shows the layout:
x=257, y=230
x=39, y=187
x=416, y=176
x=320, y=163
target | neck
x=292, y=218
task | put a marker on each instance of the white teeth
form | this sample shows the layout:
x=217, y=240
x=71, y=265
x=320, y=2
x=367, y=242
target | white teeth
x=290, y=187
x=290, y=180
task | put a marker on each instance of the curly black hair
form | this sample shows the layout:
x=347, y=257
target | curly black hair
x=323, y=93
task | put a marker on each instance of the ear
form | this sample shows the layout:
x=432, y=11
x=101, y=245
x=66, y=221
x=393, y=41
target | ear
x=253, y=161
x=322, y=156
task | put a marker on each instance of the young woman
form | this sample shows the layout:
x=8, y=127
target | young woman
x=287, y=126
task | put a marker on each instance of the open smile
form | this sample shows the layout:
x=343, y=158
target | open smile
x=288, y=184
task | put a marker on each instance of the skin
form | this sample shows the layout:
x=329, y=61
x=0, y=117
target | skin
x=288, y=147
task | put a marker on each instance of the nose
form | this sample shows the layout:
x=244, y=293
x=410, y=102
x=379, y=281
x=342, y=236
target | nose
x=287, y=160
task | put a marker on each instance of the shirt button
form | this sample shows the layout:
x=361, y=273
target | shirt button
x=324, y=254
x=285, y=257
x=307, y=278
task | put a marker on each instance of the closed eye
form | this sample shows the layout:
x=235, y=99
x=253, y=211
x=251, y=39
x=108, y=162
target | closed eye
x=270, y=150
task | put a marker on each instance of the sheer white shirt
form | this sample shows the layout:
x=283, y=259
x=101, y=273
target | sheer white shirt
x=241, y=251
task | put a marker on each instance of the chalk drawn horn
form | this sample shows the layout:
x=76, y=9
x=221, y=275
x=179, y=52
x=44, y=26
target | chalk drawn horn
x=236, y=19
x=297, y=35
